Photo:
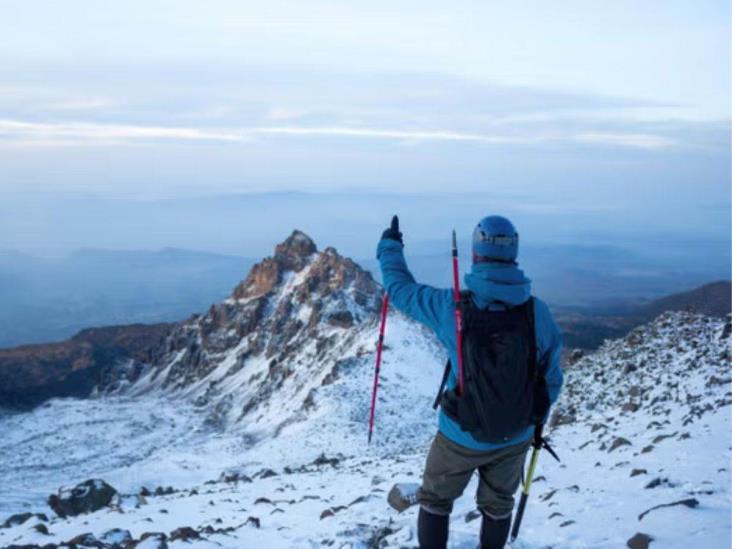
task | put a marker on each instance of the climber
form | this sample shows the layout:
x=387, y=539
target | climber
x=511, y=354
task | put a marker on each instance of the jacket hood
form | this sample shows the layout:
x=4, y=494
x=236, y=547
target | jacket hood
x=497, y=282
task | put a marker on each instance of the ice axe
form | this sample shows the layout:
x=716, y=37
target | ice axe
x=538, y=443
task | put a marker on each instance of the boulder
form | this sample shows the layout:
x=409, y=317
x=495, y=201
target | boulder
x=184, y=533
x=640, y=541
x=87, y=497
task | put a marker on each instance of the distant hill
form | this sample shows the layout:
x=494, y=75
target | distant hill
x=714, y=299
x=588, y=327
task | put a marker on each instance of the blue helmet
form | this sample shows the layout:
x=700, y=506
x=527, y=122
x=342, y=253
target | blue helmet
x=495, y=239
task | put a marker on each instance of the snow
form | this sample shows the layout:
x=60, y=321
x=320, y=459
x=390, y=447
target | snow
x=588, y=500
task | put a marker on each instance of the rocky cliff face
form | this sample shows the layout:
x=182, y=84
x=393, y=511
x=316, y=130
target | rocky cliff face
x=31, y=374
x=286, y=328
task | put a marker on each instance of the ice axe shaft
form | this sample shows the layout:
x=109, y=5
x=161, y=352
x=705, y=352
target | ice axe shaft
x=379, y=349
x=538, y=443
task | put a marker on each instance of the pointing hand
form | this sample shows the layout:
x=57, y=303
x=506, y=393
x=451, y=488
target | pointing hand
x=393, y=231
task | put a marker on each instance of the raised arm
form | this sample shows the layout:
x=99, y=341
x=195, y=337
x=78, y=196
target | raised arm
x=423, y=303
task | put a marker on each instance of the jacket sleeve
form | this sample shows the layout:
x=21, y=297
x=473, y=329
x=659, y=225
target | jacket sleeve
x=549, y=340
x=421, y=302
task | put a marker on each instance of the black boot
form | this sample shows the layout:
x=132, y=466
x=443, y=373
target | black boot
x=494, y=533
x=432, y=530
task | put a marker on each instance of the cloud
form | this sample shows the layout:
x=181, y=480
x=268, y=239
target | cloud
x=23, y=133
x=639, y=140
x=14, y=131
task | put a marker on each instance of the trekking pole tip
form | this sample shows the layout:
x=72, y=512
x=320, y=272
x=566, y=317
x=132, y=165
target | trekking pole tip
x=454, y=239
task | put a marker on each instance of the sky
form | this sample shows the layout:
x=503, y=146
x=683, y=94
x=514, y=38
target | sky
x=613, y=111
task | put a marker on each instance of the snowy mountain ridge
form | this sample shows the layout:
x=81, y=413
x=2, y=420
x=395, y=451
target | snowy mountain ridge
x=255, y=360
x=256, y=414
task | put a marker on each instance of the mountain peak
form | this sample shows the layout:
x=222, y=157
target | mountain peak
x=294, y=252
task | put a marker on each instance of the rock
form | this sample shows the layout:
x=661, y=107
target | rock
x=378, y=538
x=647, y=449
x=472, y=515
x=659, y=438
x=618, y=442
x=636, y=472
x=263, y=500
x=41, y=529
x=628, y=368
x=254, y=521
x=332, y=511
x=360, y=499
x=640, y=541
x=691, y=503
x=566, y=523
x=20, y=518
x=631, y=407
x=266, y=473
x=575, y=356
x=149, y=540
x=87, y=497
x=145, y=492
x=563, y=417
x=556, y=514
x=116, y=536
x=234, y=477
x=85, y=540
x=548, y=495
x=655, y=483
x=375, y=481
x=184, y=533
x=322, y=460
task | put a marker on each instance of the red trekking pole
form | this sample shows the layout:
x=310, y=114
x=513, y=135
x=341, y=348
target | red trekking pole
x=379, y=348
x=458, y=314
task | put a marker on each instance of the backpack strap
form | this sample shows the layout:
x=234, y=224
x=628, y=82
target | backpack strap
x=442, y=385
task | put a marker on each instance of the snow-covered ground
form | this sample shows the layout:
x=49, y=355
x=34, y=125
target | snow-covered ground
x=665, y=389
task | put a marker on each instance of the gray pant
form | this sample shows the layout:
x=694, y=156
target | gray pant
x=450, y=466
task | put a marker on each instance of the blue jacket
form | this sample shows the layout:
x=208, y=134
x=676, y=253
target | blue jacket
x=435, y=308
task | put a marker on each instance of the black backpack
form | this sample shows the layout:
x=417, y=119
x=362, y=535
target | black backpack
x=504, y=391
